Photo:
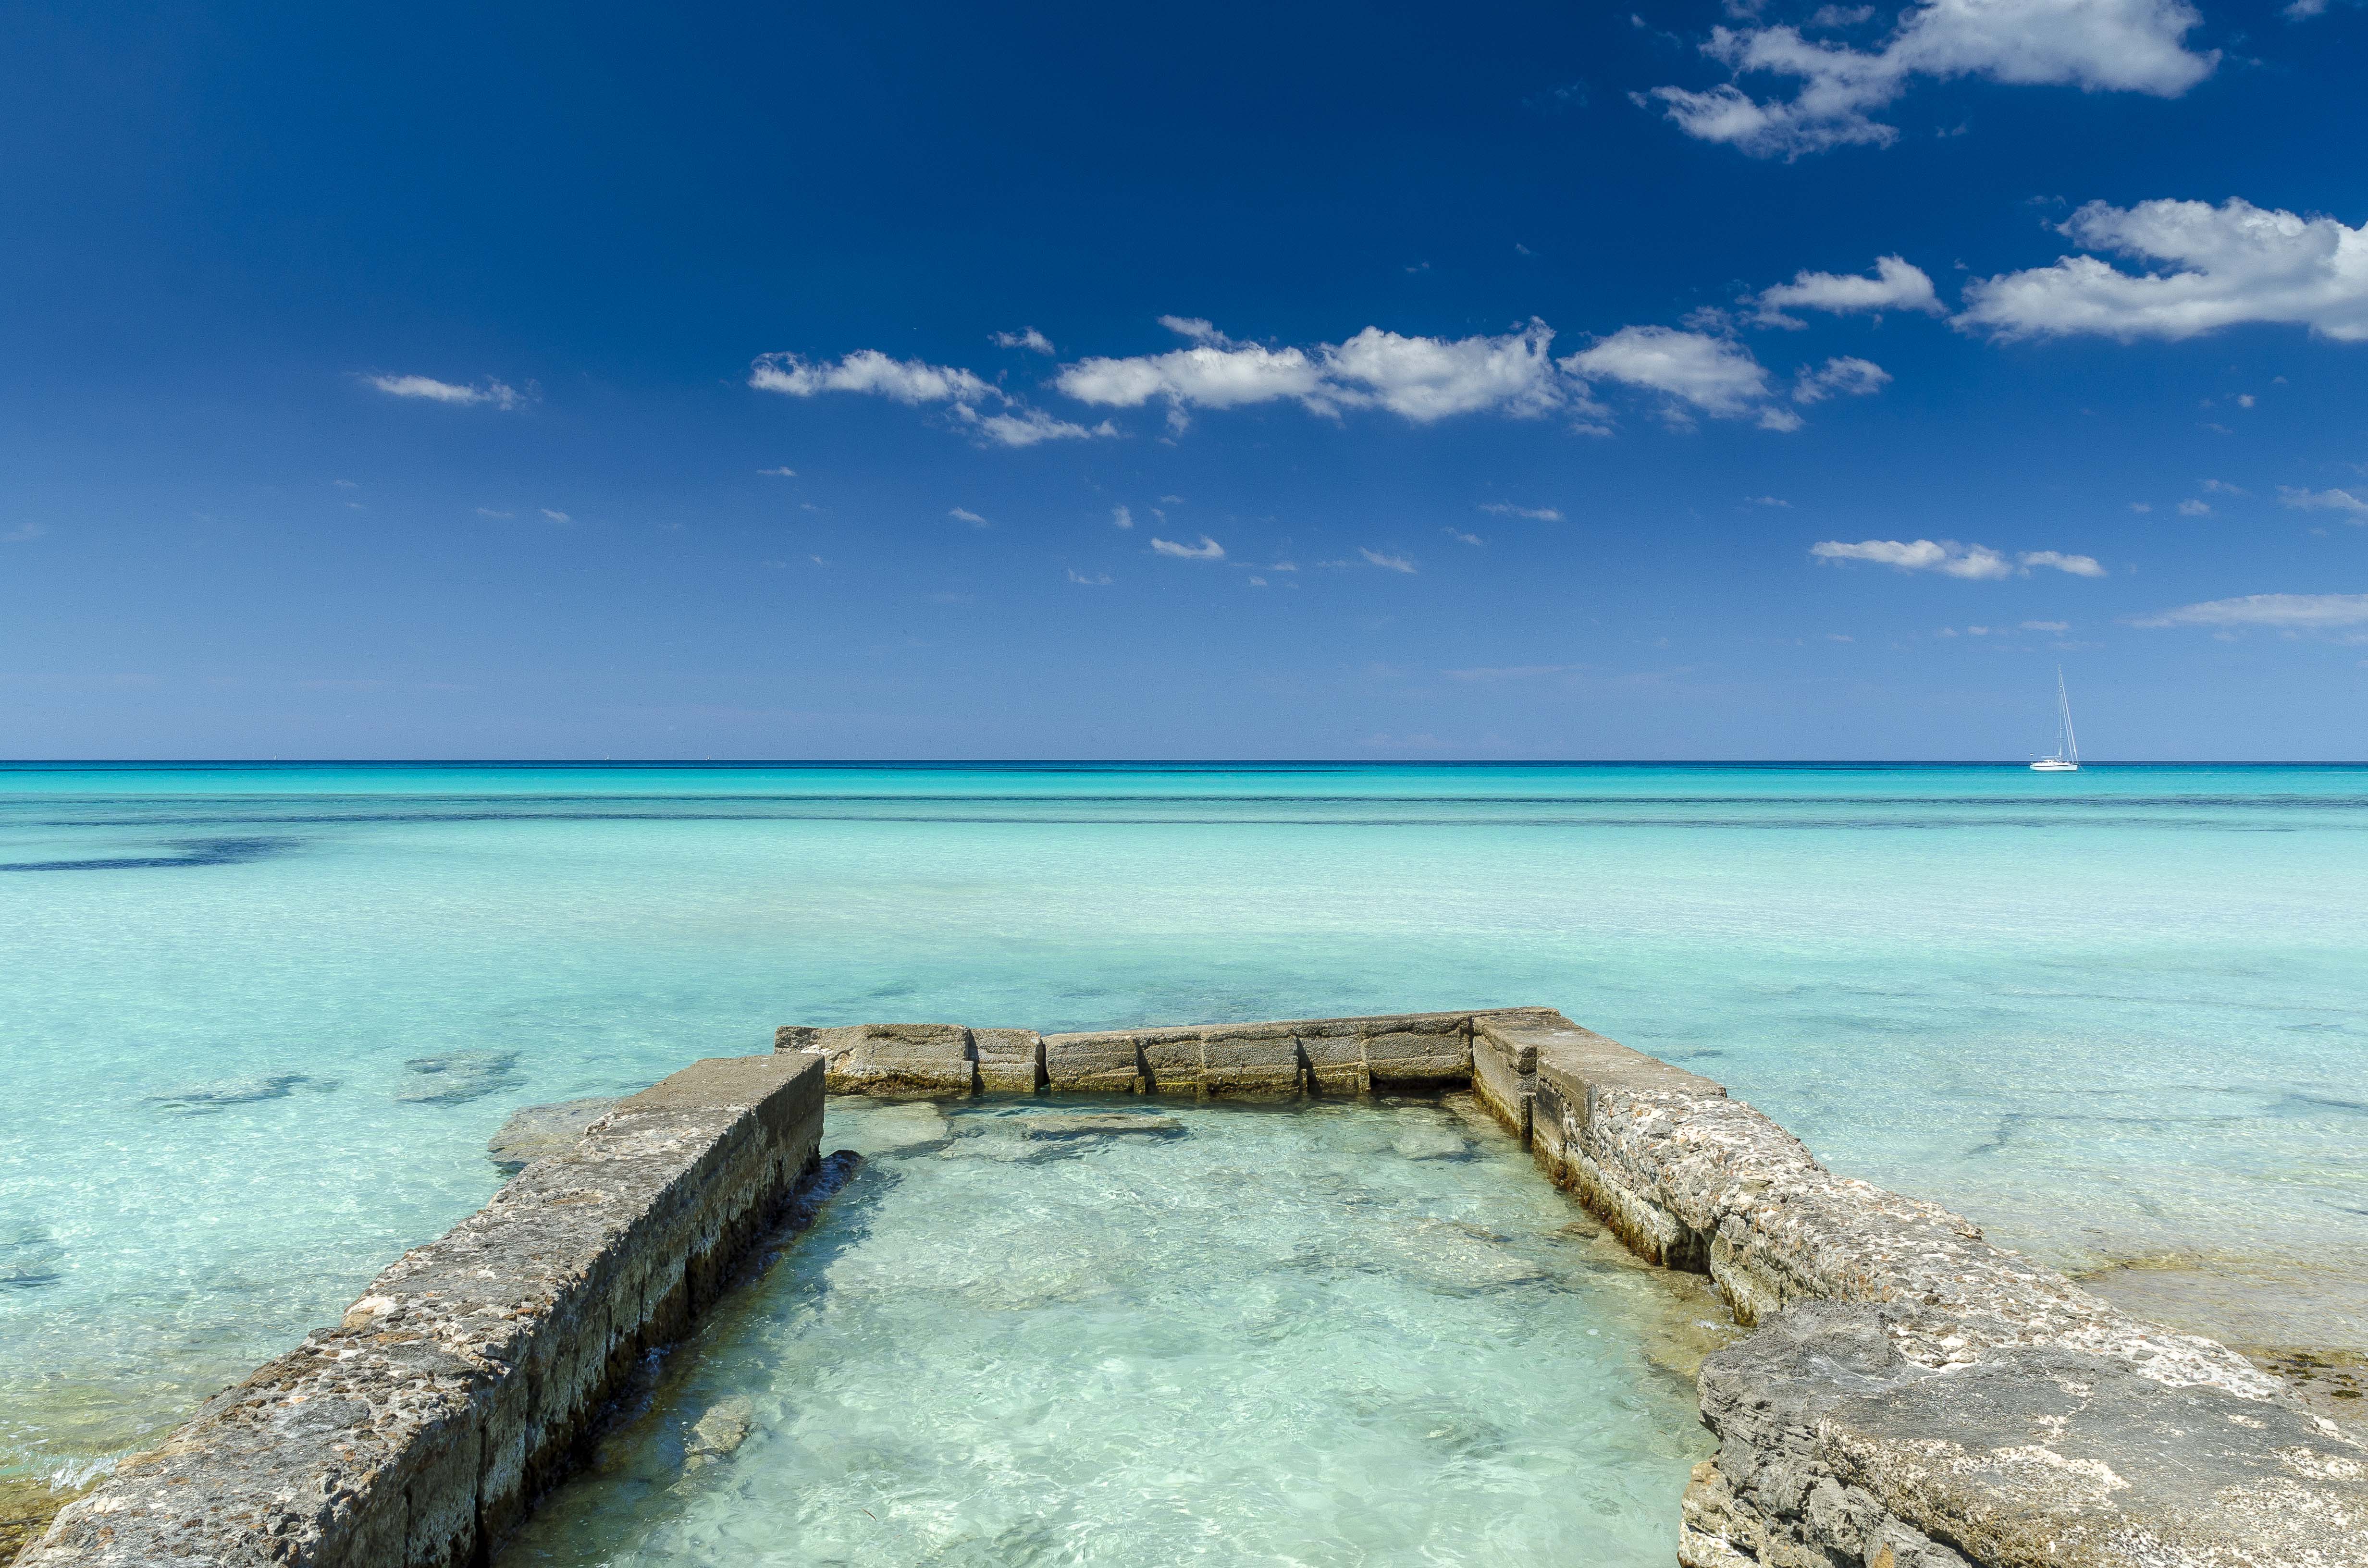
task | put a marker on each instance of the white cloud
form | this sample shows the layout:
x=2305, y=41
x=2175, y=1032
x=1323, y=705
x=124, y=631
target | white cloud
x=779, y=473
x=2095, y=45
x=914, y=382
x=907, y=381
x=1846, y=376
x=495, y=393
x=556, y=517
x=1535, y=514
x=2325, y=501
x=1945, y=556
x=1429, y=378
x=2227, y=265
x=1388, y=563
x=24, y=533
x=1207, y=549
x=2141, y=505
x=1099, y=580
x=344, y=485
x=1765, y=501
x=2194, y=508
x=1895, y=286
x=2057, y=626
x=1027, y=337
x=1420, y=378
x=1121, y=517
x=489, y=512
x=1025, y=426
x=2078, y=566
x=2295, y=612
x=1460, y=536
x=965, y=515
x=1716, y=375
x=2220, y=488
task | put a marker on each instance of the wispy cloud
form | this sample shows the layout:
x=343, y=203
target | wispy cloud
x=1512, y=672
x=1207, y=549
x=556, y=517
x=2055, y=626
x=2325, y=501
x=1846, y=376
x=1388, y=563
x=1099, y=580
x=1121, y=517
x=1976, y=562
x=23, y=533
x=2095, y=45
x=965, y=515
x=2194, y=508
x=1536, y=514
x=1461, y=537
x=1765, y=501
x=489, y=512
x=1027, y=337
x=2293, y=613
x=779, y=473
x=497, y=394
x=915, y=383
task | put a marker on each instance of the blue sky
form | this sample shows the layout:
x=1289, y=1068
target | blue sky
x=1357, y=382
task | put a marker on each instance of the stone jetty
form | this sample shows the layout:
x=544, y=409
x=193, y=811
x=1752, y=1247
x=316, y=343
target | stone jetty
x=1913, y=1395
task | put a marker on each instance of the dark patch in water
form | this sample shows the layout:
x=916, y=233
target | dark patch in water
x=29, y=1257
x=459, y=1076
x=193, y=852
x=237, y=1090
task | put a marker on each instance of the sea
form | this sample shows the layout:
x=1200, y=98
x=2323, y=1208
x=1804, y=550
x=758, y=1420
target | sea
x=257, y=1021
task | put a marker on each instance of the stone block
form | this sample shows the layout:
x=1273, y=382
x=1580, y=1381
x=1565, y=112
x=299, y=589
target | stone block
x=1171, y=1060
x=932, y=1060
x=1009, y=1061
x=1104, y=1062
x=1420, y=1055
x=1250, y=1061
x=1333, y=1057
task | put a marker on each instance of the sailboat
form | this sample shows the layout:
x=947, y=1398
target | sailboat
x=2067, y=750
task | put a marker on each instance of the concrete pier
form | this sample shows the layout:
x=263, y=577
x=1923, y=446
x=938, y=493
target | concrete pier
x=1914, y=1396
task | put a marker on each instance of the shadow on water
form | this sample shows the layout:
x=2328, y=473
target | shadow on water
x=191, y=852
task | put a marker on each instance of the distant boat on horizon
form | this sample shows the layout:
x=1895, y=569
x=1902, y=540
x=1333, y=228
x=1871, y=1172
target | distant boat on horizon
x=2067, y=750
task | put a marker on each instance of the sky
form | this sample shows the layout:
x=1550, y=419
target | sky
x=1399, y=382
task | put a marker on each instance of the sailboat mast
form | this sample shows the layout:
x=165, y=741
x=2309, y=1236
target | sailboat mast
x=2071, y=748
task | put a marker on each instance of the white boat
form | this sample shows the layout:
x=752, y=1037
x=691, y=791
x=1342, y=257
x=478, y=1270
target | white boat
x=2067, y=750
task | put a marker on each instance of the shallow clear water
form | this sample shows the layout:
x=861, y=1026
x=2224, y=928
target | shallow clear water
x=1275, y=1338
x=2111, y=1014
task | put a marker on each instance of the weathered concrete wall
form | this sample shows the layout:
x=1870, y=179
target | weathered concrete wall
x=1917, y=1398
x=1348, y=1056
x=459, y=1387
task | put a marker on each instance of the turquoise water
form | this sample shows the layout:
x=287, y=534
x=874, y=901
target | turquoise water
x=2110, y=1015
x=1334, y=1335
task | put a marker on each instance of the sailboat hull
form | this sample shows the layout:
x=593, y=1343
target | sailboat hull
x=2055, y=764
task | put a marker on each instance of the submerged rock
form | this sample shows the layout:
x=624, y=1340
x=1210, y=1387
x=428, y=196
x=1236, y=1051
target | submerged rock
x=872, y=1128
x=721, y=1430
x=1419, y=1142
x=535, y=1130
x=1050, y=1135
x=1061, y=1125
x=30, y=1257
x=233, y=1091
x=457, y=1076
x=1457, y=1258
